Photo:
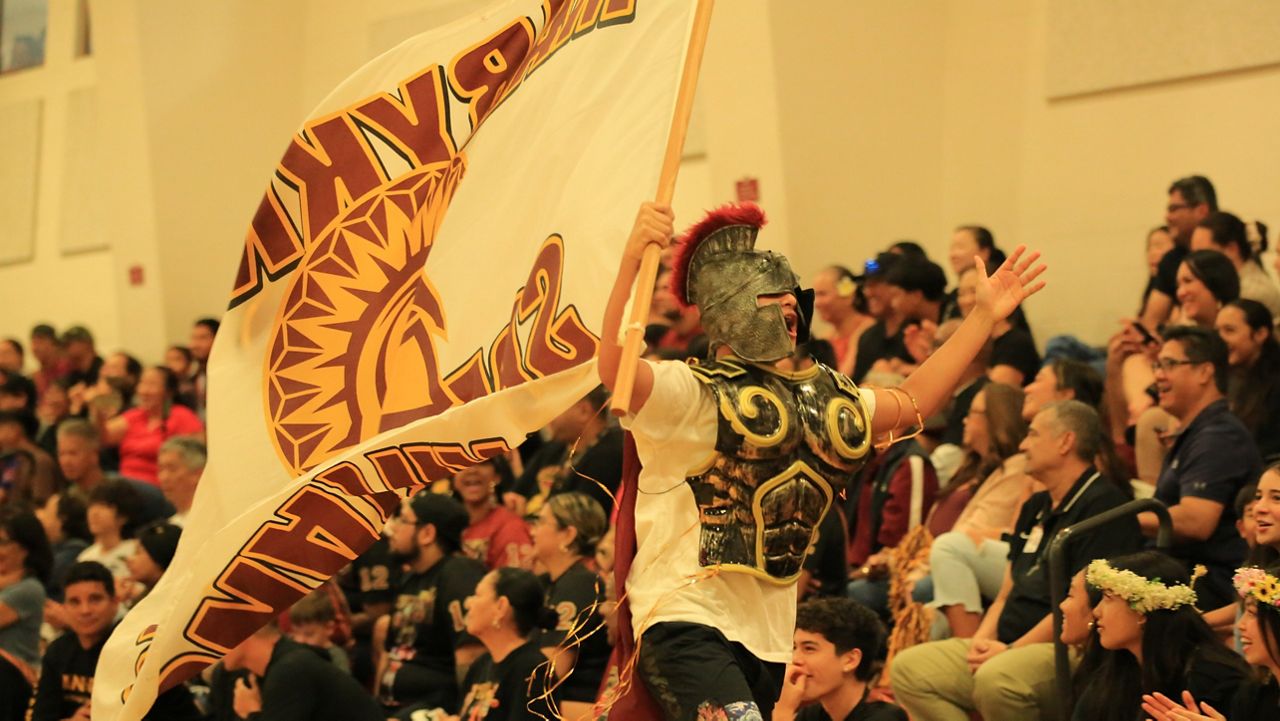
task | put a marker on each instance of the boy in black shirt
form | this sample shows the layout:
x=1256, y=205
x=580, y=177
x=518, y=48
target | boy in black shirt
x=837, y=647
x=67, y=671
x=426, y=645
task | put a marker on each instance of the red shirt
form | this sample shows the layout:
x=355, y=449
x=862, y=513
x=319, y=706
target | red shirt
x=499, y=539
x=142, y=440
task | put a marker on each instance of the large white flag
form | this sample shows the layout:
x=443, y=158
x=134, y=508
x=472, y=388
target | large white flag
x=421, y=286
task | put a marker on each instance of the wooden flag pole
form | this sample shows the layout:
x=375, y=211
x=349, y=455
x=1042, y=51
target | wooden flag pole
x=666, y=188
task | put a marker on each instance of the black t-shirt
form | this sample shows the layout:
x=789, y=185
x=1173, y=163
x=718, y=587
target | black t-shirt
x=66, y=683
x=1016, y=349
x=864, y=711
x=1257, y=701
x=576, y=597
x=371, y=578
x=88, y=377
x=875, y=344
x=1166, y=280
x=827, y=562
x=426, y=622
x=508, y=690
x=301, y=685
x=601, y=464
x=1038, y=522
x=551, y=453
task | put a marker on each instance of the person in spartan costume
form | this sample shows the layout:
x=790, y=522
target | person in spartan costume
x=740, y=458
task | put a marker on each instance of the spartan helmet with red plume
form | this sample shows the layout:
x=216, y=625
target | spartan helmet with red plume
x=718, y=269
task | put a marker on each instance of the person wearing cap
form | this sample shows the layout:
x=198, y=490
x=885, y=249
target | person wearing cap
x=71, y=661
x=151, y=558
x=426, y=645
x=884, y=339
x=742, y=457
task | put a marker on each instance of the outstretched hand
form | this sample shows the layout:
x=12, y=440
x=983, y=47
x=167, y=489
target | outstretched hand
x=1162, y=708
x=1013, y=282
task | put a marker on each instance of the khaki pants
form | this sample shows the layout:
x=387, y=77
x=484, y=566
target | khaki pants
x=932, y=682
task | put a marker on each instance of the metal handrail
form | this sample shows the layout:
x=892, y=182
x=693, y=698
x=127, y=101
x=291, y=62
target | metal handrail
x=1058, y=578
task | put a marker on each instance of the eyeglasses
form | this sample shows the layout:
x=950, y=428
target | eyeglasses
x=1175, y=207
x=1168, y=364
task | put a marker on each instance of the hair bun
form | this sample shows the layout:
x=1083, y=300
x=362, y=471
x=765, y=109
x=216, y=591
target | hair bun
x=548, y=618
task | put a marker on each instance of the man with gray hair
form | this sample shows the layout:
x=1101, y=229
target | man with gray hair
x=179, y=465
x=78, y=446
x=1006, y=670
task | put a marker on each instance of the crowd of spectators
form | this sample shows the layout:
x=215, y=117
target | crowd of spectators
x=925, y=593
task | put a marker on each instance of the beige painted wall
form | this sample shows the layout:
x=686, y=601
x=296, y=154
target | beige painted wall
x=864, y=122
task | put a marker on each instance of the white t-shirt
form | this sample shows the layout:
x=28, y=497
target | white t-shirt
x=675, y=431
x=114, y=559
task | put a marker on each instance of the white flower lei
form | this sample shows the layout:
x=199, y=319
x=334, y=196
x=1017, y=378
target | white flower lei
x=1143, y=595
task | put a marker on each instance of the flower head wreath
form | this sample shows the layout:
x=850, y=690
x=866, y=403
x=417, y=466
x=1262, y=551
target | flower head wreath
x=1143, y=595
x=1257, y=584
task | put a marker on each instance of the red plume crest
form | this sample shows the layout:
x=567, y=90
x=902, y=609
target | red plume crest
x=722, y=217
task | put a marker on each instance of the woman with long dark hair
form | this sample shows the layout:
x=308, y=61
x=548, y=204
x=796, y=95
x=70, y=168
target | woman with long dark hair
x=1258, y=698
x=1227, y=234
x=511, y=680
x=1253, y=391
x=25, y=563
x=1159, y=642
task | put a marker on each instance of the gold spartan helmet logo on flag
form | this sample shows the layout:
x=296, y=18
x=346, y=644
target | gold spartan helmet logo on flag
x=353, y=345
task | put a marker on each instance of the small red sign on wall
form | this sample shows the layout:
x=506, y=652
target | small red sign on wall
x=135, y=275
x=748, y=189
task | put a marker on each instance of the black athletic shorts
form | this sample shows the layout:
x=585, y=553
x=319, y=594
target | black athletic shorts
x=693, y=672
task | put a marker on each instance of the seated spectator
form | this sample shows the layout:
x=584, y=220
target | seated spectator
x=25, y=560
x=296, y=683
x=838, y=301
x=82, y=358
x=17, y=393
x=179, y=465
x=917, y=290
x=141, y=430
x=1191, y=200
x=1079, y=631
x=837, y=650
x=1253, y=389
x=53, y=408
x=967, y=563
x=968, y=242
x=1228, y=235
x=883, y=340
x=120, y=375
x=112, y=515
x=564, y=542
x=47, y=351
x=892, y=495
x=674, y=328
x=369, y=584
x=1211, y=459
x=1063, y=379
x=585, y=456
x=1258, y=697
x=1005, y=671
x=1266, y=516
x=151, y=557
x=1014, y=359
x=1206, y=281
x=313, y=621
x=510, y=681
x=1159, y=242
x=65, y=525
x=182, y=364
x=78, y=460
x=426, y=643
x=203, y=332
x=1157, y=640
x=28, y=475
x=495, y=536
x=71, y=661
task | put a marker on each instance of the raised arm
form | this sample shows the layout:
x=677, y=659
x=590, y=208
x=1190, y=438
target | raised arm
x=653, y=226
x=933, y=382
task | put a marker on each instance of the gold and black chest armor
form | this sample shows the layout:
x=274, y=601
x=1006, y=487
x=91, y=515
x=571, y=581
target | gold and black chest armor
x=786, y=445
